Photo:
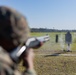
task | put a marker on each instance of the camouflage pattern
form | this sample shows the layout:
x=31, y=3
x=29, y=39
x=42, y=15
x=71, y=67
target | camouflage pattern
x=8, y=67
x=13, y=25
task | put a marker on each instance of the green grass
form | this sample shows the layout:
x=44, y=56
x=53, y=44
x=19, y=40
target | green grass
x=54, y=65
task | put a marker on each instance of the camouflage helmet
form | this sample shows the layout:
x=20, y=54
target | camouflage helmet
x=13, y=25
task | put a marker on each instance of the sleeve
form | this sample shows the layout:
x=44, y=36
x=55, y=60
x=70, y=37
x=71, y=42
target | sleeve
x=5, y=70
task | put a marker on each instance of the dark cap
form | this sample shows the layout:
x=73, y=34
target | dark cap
x=13, y=25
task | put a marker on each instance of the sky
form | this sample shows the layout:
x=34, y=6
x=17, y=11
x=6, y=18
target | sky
x=52, y=14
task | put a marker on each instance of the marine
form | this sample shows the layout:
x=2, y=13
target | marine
x=14, y=31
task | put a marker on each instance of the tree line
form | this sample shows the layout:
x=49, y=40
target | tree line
x=49, y=30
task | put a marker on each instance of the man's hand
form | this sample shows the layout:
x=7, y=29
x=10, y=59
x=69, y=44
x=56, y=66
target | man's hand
x=28, y=59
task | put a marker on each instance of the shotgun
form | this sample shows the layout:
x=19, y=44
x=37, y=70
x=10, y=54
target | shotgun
x=34, y=42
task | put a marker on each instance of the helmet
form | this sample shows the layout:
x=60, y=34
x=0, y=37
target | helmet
x=13, y=25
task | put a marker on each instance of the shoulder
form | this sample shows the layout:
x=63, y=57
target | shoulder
x=4, y=57
x=6, y=64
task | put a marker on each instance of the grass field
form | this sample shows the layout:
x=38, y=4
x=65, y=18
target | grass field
x=47, y=64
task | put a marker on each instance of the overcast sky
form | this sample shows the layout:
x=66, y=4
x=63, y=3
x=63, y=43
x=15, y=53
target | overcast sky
x=57, y=14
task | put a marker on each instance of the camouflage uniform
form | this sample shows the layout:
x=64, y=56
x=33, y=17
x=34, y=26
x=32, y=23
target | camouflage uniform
x=13, y=26
x=8, y=67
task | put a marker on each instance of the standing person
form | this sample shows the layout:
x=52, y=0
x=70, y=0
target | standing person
x=68, y=40
x=14, y=31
